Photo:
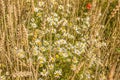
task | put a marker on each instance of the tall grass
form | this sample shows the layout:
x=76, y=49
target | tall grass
x=59, y=39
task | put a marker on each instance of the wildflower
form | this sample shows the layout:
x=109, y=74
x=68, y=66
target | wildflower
x=71, y=36
x=40, y=79
x=30, y=61
x=38, y=42
x=100, y=14
x=73, y=67
x=88, y=75
x=42, y=48
x=61, y=42
x=33, y=20
x=60, y=7
x=63, y=30
x=44, y=72
x=57, y=35
x=88, y=6
x=57, y=56
x=102, y=26
x=52, y=59
x=65, y=34
x=77, y=52
x=41, y=59
x=51, y=66
x=41, y=3
x=65, y=22
x=56, y=19
x=35, y=51
x=58, y=73
x=20, y=53
x=75, y=60
x=33, y=25
x=68, y=11
x=51, y=21
x=46, y=43
x=68, y=60
x=82, y=51
x=104, y=44
x=3, y=77
x=36, y=9
x=63, y=54
x=59, y=49
x=39, y=14
x=87, y=19
x=54, y=31
x=7, y=73
x=82, y=45
x=70, y=46
x=55, y=14
x=69, y=5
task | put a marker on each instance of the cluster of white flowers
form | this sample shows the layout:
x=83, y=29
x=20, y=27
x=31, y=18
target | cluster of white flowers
x=20, y=53
x=57, y=73
x=41, y=3
x=44, y=72
x=53, y=30
x=61, y=42
x=73, y=67
x=53, y=19
x=58, y=39
x=34, y=25
x=2, y=77
x=46, y=43
x=35, y=51
x=36, y=9
x=51, y=66
x=61, y=7
x=41, y=59
x=68, y=35
x=42, y=49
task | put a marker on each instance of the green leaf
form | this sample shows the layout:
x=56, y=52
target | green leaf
x=118, y=49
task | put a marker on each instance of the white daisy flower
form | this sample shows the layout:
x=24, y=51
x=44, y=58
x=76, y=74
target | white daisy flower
x=73, y=67
x=51, y=66
x=44, y=72
x=36, y=9
x=58, y=73
x=34, y=25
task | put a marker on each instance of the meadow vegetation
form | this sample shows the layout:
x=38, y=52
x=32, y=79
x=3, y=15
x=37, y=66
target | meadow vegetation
x=59, y=39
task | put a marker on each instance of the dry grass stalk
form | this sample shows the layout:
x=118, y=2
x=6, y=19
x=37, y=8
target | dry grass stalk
x=14, y=33
x=2, y=41
x=112, y=72
x=22, y=74
x=80, y=65
x=24, y=36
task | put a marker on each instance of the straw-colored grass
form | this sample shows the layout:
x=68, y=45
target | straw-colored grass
x=59, y=39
